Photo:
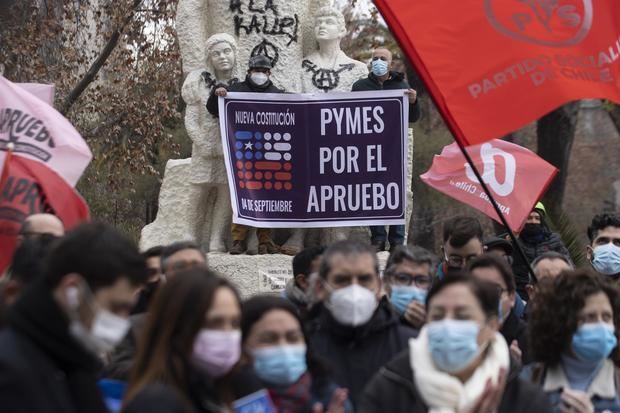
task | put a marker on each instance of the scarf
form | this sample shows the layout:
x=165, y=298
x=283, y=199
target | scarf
x=293, y=398
x=444, y=393
x=38, y=317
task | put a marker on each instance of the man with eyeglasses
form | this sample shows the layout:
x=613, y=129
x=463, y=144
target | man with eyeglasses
x=462, y=242
x=407, y=278
x=383, y=77
x=496, y=271
x=356, y=331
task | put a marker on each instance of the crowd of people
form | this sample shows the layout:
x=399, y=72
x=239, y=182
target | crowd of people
x=91, y=324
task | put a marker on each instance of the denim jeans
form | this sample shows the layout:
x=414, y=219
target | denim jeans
x=396, y=234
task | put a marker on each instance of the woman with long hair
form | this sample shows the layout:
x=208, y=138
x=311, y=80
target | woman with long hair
x=277, y=347
x=190, y=343
x=574, y=326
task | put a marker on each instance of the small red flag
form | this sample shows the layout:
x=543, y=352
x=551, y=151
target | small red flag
x=29, y=187
x=516, y=177
x=494, y=66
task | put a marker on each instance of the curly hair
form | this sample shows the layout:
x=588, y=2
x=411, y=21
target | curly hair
x=555, y=309
x=602, y=221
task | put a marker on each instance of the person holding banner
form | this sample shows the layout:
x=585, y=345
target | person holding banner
x=381, y=77
x=256, y=81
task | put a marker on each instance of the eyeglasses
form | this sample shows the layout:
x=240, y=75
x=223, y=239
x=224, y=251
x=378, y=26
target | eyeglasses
x=500, y=289
x=406, y=279
x=385, y=59
x=457, y=260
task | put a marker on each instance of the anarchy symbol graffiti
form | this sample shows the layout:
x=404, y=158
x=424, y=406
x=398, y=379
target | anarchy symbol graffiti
x=325, y=79
x=267, y=49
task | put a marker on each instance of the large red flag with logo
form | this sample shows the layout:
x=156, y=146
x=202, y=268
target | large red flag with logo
x=42, y=157
x=493, y=66
x=516, y=176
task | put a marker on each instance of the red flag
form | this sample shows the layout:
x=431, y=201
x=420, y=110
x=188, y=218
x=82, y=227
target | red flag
x=42, y=158
x=516, y=176
x=494, y=66
x=29, y=187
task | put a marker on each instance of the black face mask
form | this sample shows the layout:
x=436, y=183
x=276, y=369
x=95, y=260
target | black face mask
x=533, y=232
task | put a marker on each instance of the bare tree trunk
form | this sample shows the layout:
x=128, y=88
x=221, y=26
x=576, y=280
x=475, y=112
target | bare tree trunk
x=556, y=133
x=90, y=75
x=615, y=116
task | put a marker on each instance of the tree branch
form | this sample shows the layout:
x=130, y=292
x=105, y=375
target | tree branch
x=92, y=72
x=615, y=116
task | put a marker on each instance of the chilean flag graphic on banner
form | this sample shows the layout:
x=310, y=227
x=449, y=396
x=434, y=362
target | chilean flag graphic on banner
x=516, y=176
x=494, y=66
x=42, y=158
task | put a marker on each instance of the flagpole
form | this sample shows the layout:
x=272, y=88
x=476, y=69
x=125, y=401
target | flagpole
x=486, y=190
x=438, y=99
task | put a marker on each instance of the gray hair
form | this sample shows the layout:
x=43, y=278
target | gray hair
x=414, y=254
x=346, y=248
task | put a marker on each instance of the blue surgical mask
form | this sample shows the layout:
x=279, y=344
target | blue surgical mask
x=453, y=343
x=401, y=296
x=379, y=67
x=606, y=259
x=281, y=365
x=594, y=341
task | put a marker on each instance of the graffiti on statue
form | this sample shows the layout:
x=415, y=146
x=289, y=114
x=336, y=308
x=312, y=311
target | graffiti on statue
x=325, y=79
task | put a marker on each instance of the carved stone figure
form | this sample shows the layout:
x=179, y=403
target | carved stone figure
x=327, y=69
x=279, y=29
x=207, y=167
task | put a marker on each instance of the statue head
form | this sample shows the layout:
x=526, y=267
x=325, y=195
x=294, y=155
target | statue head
x=329, y=24
x=221, y=53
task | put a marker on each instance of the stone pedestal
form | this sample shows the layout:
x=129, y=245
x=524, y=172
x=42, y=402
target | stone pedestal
x=249, y=272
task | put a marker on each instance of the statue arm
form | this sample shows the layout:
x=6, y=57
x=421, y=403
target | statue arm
x=194, y=92
x=191, y=28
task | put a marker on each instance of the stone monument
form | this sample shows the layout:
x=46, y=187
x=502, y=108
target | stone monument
x=208, y=170
x=279, y=29
x=217, y=38
x=328, y=69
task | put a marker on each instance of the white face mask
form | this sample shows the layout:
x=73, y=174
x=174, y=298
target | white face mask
x=259, y=78
x=107, y=329
x=352, y=305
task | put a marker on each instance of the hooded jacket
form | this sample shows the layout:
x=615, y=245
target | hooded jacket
x=355, y=354
x=42, y=367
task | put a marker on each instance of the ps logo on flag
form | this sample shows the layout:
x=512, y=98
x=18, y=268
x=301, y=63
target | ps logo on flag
x=489, y=172
x=553, y=23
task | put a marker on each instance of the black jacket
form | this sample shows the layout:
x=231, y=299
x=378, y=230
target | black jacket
x=355, y=354
x=121, y=358
x=393, y=390
x=160, y=398
x=516, y=329
x=550, y=241
x=396, y=81
x=246, y=86
x=42, y=367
